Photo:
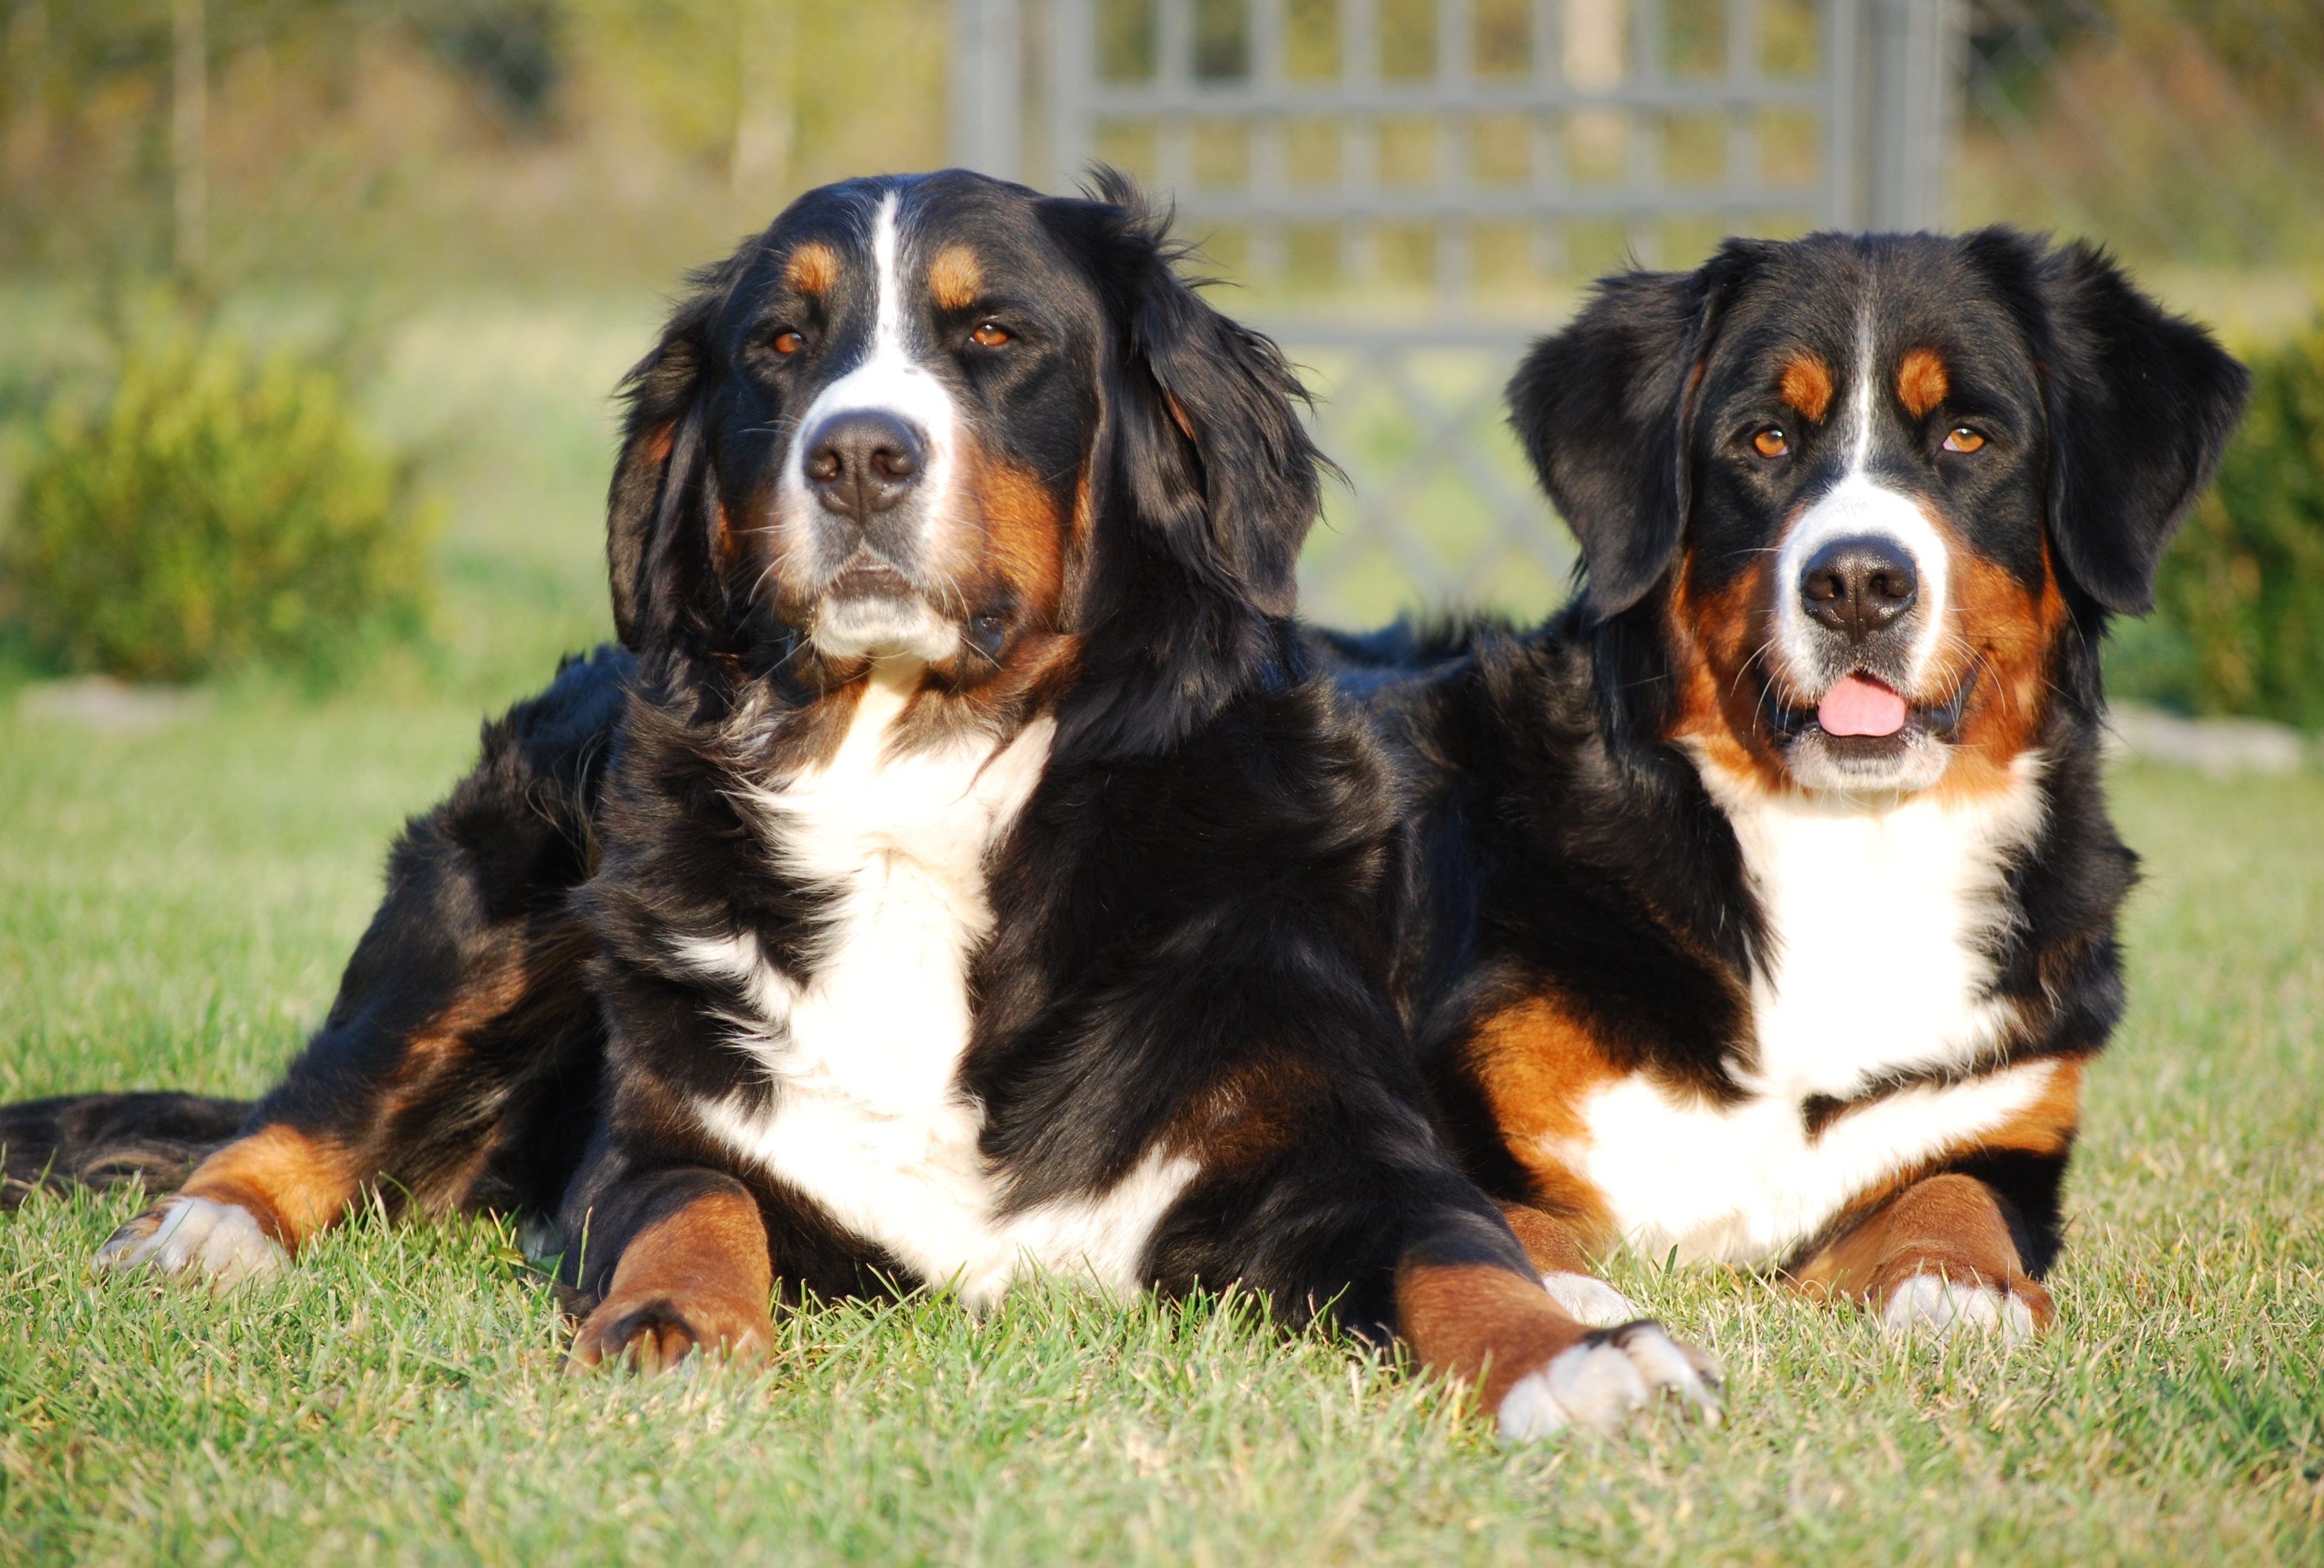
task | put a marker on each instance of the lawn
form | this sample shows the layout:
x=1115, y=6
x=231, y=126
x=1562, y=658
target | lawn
x=174, y=905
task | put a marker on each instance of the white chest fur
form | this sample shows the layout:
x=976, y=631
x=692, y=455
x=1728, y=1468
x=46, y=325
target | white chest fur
x=1881, y=917
x=870, y=1119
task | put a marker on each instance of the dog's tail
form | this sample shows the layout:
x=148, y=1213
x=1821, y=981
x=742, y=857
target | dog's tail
x=101, y=1141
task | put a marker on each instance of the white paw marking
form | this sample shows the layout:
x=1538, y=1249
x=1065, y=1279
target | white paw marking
x=1934, y=1305
x=1600, y=1384
x=221, y=1243
x=1590, y=1300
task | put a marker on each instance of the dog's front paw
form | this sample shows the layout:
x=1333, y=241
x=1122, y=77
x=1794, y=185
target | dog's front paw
x=1610, y=1377
x=1929, y=1304
x=220, y=1242
x=654, y=1333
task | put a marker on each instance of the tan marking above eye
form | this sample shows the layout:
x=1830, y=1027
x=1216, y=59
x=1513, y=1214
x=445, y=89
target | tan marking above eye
x=1922, y=383
x=1771, y=442
x=813, y=268
x=955, y=278
x=789, y=342
x=1962, y=438
x=1806, y=385
x=990, y=334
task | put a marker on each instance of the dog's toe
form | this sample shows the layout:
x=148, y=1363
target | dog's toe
x=220, y=1242
x=1945, y=1309
x=1602, y=1382
x=1590, y=1300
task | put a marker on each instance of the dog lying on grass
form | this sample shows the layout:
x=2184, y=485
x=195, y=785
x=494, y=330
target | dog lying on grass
x=955, y=873
x=1761, y=906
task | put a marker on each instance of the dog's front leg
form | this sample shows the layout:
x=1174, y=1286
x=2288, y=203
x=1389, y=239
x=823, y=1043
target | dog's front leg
x=693, y=1274
x=1535, y=1367
x=1938, y=1258
x=244, y=1211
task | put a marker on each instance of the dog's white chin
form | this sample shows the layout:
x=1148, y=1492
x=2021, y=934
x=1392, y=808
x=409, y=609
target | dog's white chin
x=1817, y=764
x=876, y=627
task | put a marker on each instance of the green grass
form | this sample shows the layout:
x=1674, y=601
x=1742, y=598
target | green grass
x=174, y=906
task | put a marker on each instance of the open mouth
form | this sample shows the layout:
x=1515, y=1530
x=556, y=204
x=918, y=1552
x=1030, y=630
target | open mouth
x=1856, y=705
x=1869, y=715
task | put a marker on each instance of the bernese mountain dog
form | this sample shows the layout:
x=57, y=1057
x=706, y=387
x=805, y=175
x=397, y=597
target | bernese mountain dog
x=1760, y=907
x=958, y=874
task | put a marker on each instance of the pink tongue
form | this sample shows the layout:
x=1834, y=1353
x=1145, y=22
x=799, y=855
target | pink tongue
x=1857, y=707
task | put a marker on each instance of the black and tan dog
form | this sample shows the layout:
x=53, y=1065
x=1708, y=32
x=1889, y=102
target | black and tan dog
x=954, y=876
x=1761, y=906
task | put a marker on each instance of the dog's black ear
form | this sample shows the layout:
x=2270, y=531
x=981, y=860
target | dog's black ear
x=1605, y=407
x=648, y=482
x=660, y=506
x=1215, y=458
x=2140, y=406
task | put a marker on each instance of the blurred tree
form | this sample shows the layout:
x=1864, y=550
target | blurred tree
x=419, y=142
x=511, y=51
x=2239, y=625
x=211, y=510
x=2188, y=131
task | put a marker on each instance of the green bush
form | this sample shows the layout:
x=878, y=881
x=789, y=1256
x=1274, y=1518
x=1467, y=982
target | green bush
x=212, y=509
x=2238, y=626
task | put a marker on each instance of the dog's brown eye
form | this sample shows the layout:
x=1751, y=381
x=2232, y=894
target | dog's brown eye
x=1962, y=438
x=991, y=335
x=1771, y=442
x=789, y=342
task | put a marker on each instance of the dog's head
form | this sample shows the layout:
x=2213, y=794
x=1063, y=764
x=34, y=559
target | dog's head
x=945, y=420
x=1871, y=490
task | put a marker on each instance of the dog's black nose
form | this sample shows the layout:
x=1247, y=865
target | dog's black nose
x=1858, y=585
x=864, y=461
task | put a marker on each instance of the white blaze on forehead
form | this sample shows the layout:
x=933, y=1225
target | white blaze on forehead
x=1859, y=506
x=889, y=378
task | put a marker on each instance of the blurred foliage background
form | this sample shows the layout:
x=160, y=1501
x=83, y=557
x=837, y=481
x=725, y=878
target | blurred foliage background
x=453, y=223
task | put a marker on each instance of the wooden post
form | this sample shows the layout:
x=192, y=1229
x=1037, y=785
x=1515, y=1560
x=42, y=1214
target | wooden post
x=190, y=116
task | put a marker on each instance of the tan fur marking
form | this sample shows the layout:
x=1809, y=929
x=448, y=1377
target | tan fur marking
x=1013, y=549
x=1252, y=1116
x=696, y=1280
x=658, y=442
x=1536, y=1063
x=1922, y=383
x=1550, y=1242
x=1806, y=385
x=1024, y=537
x=956, y=280
x=2048, y=1125
x=1948, y=1224
x=723, y=543
x=2009, y=636
x=813, y=268
x=1479, y=1325
x=1720, y=713
x=510, y=994
x=293, y=1184
x=1178, y=416
x=1085, y=510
